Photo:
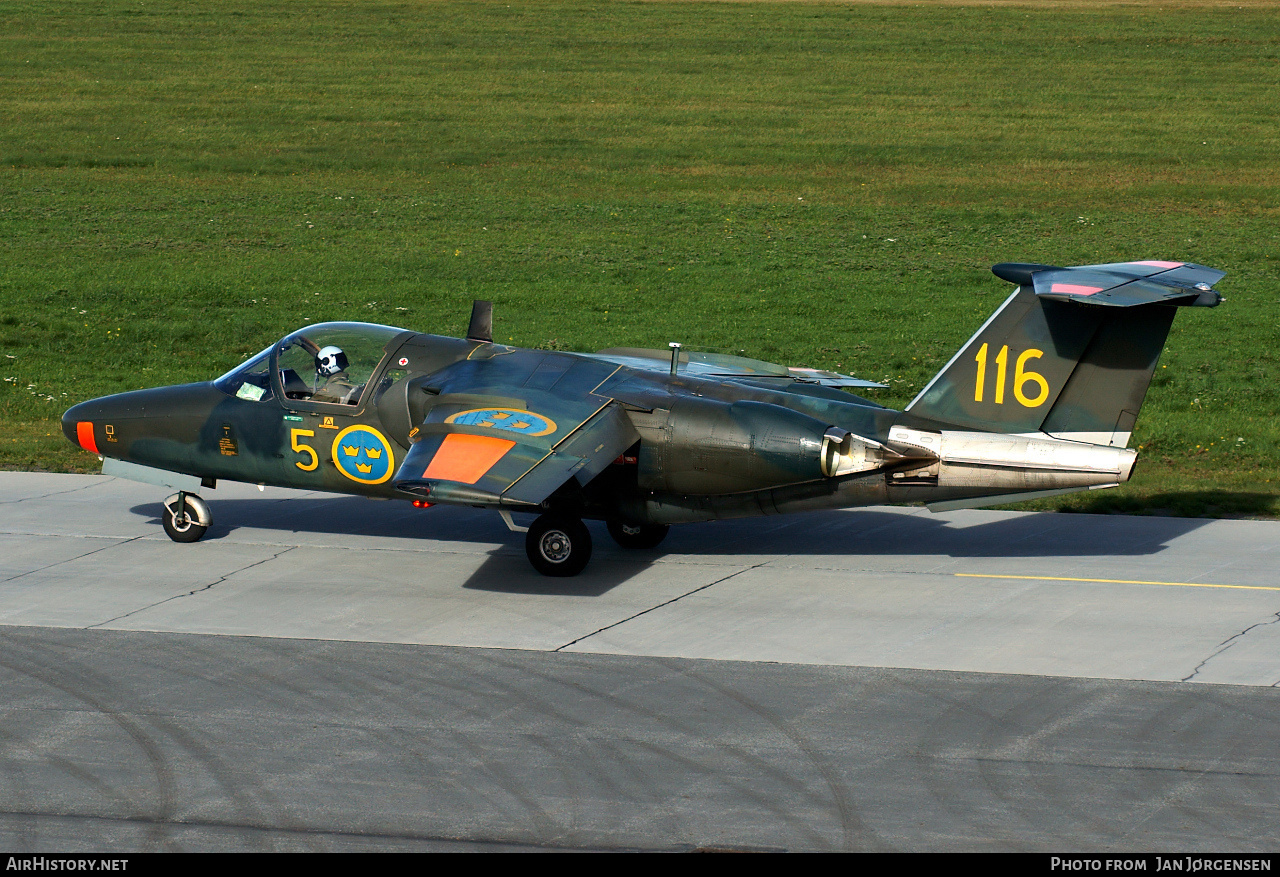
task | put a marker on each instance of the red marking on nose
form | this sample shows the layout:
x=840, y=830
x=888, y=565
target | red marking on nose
x=84, y=435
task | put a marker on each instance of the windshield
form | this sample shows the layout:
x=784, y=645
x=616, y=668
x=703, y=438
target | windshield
x=332, y=362
x=250, y=380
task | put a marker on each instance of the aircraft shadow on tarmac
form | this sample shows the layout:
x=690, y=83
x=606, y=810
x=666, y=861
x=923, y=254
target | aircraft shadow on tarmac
x=850, y=533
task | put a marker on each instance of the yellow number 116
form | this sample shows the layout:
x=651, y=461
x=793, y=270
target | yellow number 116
x=1021, y=377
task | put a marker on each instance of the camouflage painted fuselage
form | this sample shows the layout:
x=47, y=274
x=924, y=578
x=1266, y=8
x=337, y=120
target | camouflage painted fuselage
x=691, y=438
x=1041, y=399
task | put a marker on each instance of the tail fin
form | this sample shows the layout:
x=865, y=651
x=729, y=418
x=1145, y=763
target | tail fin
x=1071, y=353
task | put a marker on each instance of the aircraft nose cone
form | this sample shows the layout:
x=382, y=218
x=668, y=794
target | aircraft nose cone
x=78, y=424
x=106, y=426
x=69, y=419
x=89, y=423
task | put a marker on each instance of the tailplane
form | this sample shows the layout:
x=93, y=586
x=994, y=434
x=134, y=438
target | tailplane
x=1070, y=353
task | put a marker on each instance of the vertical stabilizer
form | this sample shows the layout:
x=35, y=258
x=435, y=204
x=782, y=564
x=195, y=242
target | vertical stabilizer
x=1071, y=353
x=1008, y=376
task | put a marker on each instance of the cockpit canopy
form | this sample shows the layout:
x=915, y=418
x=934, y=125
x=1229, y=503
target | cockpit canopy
x=328, y=362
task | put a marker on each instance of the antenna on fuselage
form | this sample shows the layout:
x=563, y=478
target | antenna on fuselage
x=481, y=328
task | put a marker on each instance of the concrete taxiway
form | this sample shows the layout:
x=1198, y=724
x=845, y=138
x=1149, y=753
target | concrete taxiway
x=329, y=672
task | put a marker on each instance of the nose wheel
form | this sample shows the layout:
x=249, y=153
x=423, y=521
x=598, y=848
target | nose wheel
x=186, y=517
x=558, y=546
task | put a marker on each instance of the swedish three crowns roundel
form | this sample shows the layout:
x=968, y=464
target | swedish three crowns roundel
x=362, y=454
x=509, y=419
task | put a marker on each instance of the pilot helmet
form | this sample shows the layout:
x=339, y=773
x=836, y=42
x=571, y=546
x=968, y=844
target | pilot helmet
x=330, y=360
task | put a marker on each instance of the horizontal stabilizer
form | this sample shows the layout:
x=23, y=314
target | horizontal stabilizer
x=1119, y=284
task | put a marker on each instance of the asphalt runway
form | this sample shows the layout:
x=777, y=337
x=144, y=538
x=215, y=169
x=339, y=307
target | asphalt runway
x=329, y=672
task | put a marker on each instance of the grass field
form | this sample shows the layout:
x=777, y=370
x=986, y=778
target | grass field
x=819, y=184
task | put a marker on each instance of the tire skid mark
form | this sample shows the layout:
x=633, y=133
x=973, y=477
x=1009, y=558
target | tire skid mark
x=689, y=731
x=544, y=825
x=165, y=784
x=67, y=766
x=396, y=691
x=855, y=835
x=1158, y=796
x=934, y=759
x=196, y=753
x=249, y=808
x=1013, y=763
x=781, y=809
x=346, y=834
x=1004, y=746
x=569, y=768
x=603, y=760
x=247, y=805
x=336, y=706
x=349, y=703
x=15, y=786
x=653, y=715
x=685, y=730
x=998, y=756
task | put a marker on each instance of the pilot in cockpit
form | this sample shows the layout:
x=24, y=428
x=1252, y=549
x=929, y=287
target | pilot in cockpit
x=332, y=383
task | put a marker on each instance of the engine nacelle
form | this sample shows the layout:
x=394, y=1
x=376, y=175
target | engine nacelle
x=706, y=447
x=991, y=464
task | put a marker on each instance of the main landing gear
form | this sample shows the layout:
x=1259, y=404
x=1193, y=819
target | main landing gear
x=186, y=517
x=637, y=535
x=560, y=545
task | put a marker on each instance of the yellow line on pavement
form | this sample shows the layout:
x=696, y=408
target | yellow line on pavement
x=974, y=575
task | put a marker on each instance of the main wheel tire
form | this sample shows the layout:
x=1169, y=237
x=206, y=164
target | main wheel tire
x=183, y=525
x=558, y=546
x=637, y=535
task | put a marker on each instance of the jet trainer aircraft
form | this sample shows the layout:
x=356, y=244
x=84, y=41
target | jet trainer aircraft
x=1041, y=401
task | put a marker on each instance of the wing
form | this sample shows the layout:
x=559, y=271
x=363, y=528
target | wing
x=512, y=430
x=720, y=366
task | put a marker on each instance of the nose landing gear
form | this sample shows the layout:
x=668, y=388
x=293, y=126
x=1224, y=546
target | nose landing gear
x=186, y=517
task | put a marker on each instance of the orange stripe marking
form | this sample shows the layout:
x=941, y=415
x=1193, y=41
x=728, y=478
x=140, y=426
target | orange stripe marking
x=84, y=435
x=465, y=458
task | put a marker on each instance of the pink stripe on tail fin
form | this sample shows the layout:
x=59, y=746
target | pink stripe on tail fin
x=1074, y=289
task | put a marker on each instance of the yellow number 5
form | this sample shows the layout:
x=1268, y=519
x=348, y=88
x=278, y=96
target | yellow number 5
x=300, y=448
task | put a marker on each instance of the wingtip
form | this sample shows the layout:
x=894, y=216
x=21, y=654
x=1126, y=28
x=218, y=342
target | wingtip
x=1020, y=272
